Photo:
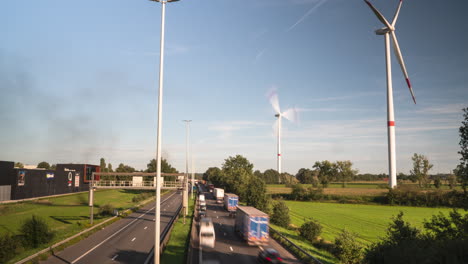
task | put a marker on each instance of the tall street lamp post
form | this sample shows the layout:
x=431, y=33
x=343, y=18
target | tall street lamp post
x=157, y=229
x=187, y=126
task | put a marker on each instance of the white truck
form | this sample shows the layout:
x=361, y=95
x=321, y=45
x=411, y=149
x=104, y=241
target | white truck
x=219, y=195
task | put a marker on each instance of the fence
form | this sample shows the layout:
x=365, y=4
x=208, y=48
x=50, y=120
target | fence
x=291, y=244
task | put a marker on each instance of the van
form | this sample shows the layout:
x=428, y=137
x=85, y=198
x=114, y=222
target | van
x=201, y=197
x=207, y=233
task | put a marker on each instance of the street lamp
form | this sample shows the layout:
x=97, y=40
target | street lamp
x=157, y=229
x=187, y=126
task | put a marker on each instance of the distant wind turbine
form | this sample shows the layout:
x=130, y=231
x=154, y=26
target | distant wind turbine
x=290, y=114
x=388, y=30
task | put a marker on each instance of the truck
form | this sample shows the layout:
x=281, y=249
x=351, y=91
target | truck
x=252, y=225
x=230, y=202
x=211, y=187
x=219, y=195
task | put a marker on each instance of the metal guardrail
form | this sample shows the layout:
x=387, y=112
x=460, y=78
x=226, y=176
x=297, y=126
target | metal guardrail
x=164, y=238
x=296, y=246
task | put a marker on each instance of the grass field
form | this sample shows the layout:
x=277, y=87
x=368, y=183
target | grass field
x=369, y=222
x=176, y=249
x=66, y=214
x=359, y=190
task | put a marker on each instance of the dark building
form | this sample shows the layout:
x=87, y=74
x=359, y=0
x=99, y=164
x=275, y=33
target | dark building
x=30, y=183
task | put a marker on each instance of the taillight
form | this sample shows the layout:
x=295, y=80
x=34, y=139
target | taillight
x=268, y=258
x=280, y=259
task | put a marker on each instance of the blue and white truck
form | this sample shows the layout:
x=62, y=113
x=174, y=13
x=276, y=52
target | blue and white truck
x=252, y=225
x=230, y=203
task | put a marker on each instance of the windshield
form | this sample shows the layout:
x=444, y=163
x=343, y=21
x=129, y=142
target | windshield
x=207, y=234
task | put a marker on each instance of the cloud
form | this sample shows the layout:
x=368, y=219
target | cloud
x=443, y=109
x=226, y=129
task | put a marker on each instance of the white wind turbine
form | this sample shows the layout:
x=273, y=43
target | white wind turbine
x=289, y=114
x=388, y=30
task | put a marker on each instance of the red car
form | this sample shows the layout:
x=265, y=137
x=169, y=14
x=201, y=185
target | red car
x=269, y=255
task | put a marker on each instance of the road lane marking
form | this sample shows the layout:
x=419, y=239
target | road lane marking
x=133, y=239
x=217, y=217
x=114, y=257
x=231, y=248
x=118, y=231
x=145, y=227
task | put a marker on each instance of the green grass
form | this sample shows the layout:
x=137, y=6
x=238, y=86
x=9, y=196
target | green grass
x=322, y=255
x=369, y=222
x=176, y=249
x=65, y=215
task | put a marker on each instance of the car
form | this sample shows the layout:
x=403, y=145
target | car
x=269, y=255
x=207, y=233
x=203, y=207
x=201, y=214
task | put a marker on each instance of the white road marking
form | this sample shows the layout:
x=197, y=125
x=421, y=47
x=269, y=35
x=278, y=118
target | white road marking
x=118, y=231
x=145, y=227
x=217, y=217
x=231, y=248
x=133, y=239
x=114, y=257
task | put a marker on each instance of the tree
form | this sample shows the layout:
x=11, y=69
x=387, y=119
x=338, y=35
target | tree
x=43, y=165
x=165, y=166
x=35, y=232
x=237, y=172
x=255, y=194
x=451, y=181
x=213, y=175
x=437, y=181
x=280, y=214
x=344, y=171
x=325, y=172
x=103, y=165
x=124, y=168
x=462, y=168
x=53, y=167
x=19, y=165
x=310, y=230
x=305, y=176
x=271, y=176
x=421, y=167
x=347, y=248
x=109, y=167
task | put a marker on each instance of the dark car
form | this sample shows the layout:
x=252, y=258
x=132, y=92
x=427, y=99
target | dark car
x=201, y=214
x=269, y=255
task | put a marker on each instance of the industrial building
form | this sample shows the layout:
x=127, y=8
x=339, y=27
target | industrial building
x=20, y=183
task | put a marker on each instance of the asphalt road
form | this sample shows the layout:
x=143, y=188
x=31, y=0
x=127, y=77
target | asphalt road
x=229, y=246
x=128, y=240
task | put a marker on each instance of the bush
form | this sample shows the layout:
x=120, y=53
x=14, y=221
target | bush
x=9, y=246
x=280, y=214
x=405, y=195
x=311, y=230
x=35, y=231
x=142, y=196
x=106, y=209
x=347, y=250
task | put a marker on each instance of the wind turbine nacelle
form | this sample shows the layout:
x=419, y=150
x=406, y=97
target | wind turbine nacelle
x=277, y=115
x=382, y=31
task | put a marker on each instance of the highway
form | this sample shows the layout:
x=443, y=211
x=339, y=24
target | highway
x=229, y=247
x=128, y=240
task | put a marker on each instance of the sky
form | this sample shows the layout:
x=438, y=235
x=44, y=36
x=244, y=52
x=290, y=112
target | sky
x=79, y=81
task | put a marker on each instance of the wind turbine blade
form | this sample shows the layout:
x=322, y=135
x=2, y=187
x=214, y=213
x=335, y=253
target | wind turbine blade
x=396, y=13
x=290, y=114
x=273, y=97
x=396, y=48
x=378, y=14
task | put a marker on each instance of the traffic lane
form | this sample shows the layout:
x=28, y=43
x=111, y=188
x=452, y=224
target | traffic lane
x=129, y=245
x=73, y=252
x=229, y=247
x=229, y=240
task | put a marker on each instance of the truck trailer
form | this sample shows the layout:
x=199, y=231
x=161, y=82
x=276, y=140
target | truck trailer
x=252, y=225
x=219, y=195
x=230, y=202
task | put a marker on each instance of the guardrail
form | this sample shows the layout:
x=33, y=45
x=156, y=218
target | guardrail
x=312, y=258
x=164, y=238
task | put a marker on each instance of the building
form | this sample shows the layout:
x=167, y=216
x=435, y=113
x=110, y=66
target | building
x=21, y=183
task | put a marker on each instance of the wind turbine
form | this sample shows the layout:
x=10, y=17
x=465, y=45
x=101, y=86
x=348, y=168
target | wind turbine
x=388, y=30
x=289, y=114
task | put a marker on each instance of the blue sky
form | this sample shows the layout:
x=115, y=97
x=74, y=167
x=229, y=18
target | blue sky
x=79, y=80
